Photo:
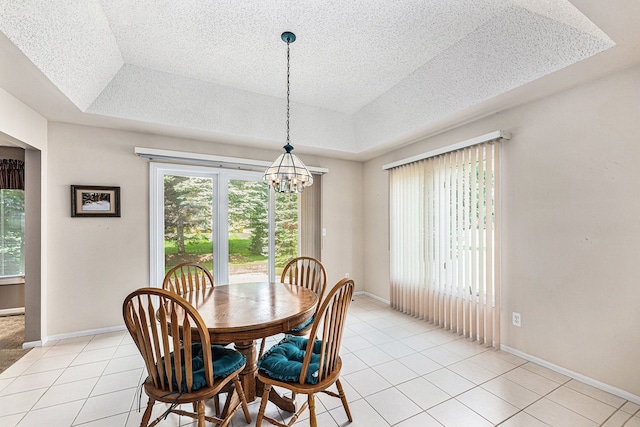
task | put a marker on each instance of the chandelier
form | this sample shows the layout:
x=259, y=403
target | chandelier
x=288, y=174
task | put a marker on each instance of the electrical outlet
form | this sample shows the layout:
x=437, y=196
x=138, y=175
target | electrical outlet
x=517, y=319
x=346, y=275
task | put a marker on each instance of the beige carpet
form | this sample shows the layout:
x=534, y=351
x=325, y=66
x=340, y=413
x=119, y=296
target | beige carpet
x=11, y=340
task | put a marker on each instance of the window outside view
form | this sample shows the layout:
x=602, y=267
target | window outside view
x=188, y=219
x=189, y=233
x=11, y=233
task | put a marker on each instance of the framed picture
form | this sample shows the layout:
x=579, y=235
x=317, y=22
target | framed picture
x=95, y=201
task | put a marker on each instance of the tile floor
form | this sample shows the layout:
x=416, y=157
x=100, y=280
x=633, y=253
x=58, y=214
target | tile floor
x=397, y=371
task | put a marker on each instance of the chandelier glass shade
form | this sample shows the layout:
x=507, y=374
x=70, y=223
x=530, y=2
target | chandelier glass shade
x=288, y=174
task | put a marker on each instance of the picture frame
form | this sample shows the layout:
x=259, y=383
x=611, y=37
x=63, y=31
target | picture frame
x=95, y=201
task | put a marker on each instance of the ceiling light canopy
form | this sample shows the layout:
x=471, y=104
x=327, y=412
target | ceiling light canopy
x=288, y=174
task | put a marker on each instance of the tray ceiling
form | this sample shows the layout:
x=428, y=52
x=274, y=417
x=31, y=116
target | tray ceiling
x=365, y=75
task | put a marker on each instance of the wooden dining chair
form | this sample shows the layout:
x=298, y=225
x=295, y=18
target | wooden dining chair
x=309, y=365
x=181, y=370
x=188, y=276
x=309, y=273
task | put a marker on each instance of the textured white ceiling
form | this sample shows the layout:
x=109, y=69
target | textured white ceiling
x=364, y=73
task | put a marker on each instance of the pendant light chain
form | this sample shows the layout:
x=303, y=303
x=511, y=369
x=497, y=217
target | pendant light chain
x=288, y=174
x=288, y=88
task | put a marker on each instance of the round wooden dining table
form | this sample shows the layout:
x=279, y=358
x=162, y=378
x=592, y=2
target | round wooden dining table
x=241, y=313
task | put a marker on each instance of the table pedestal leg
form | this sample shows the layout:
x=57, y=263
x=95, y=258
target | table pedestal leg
x=248, y=374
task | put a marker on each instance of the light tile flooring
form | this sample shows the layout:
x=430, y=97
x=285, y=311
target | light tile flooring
x=397, y=371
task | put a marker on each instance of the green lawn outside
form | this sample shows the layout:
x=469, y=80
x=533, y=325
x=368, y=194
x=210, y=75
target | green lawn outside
x=237, y=246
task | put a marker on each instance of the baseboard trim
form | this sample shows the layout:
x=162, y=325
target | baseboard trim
x=569, y=373
x=85, y=333
x=32, y=344
x=370, y=295
x=11, y=311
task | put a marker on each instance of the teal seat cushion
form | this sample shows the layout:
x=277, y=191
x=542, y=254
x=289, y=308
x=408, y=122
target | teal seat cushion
x=225, y=362
x=301, y=327
x=284, y=360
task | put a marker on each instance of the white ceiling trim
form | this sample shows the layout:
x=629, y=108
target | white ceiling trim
x=212, y=160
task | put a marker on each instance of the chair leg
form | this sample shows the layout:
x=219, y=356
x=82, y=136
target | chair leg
x=201, y=413
x=312, y=410
x=216, y=404
x=147, y=413
x=263, y=404
x=264, y=340
x=243, y=399
x=343, y=398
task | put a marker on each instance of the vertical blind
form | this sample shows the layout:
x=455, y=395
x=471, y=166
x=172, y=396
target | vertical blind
x=311, y=219
x=445, y=235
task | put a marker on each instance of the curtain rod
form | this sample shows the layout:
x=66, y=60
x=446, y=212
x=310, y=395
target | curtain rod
x=210, y=159
x=492, y=136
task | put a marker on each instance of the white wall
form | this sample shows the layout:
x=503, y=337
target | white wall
x=95, y=262
x=343, y=219
x=570, y=239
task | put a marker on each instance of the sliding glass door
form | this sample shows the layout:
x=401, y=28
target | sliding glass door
x=227, y=220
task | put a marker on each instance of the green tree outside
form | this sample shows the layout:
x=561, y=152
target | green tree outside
x=248, y=208
x=11, y=232
x=286, y=219
x=187, y=217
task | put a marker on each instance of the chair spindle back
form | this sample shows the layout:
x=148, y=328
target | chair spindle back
x=160, y=322
x=328, y=327
x=306, y=272
x=188, y=276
